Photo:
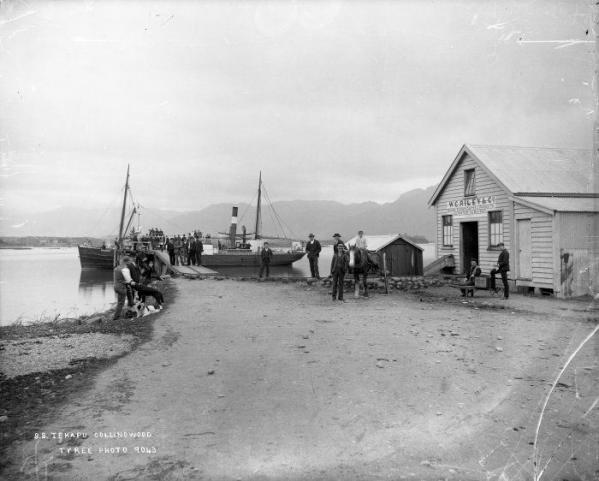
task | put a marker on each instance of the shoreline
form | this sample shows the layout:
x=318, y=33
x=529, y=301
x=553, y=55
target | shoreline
x=31, y=400
x=403, y=383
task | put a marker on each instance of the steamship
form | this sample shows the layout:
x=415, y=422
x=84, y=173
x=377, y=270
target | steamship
x=247, y=252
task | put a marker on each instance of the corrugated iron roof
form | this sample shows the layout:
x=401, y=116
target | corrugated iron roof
x=538, y=169
x=522, y=170
x=378, y=242
x=562, y=204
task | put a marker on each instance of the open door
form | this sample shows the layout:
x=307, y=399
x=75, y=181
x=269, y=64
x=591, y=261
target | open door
x=469, y=244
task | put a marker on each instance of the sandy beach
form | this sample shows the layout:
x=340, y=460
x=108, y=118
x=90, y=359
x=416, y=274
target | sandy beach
x=247, y=380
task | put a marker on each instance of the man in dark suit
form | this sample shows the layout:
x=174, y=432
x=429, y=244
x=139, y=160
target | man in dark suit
x=170, y=248
x=192, y=251
x=265, y=258
x=503, y=267
x=471, y=276
x=313, y=249
x=339, y=267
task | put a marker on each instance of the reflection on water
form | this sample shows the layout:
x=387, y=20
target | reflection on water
x=95, y=286
x=41, y=284
x=88, y=278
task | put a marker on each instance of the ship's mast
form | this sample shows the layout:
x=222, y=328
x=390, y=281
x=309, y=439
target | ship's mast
x=124, y=205
x=258, y=207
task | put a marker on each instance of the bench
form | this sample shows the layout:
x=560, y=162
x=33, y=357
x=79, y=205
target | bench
x=481, y=283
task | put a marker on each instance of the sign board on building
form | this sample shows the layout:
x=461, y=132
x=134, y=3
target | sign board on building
x=471, y=206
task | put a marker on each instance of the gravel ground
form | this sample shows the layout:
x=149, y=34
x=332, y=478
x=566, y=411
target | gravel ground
x=264, y=381
x=43, y=354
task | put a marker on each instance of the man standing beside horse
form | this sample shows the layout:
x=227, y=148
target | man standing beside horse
x=339, y=267
x=313, y=249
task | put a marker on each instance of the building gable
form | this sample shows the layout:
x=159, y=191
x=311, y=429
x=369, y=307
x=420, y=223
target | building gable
x=464, y=154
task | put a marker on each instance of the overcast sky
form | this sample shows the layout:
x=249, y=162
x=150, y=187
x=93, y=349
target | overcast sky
x=342, y=100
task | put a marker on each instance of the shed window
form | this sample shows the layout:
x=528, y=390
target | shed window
x=469, y=182
x=447, y=230
x=495, y=228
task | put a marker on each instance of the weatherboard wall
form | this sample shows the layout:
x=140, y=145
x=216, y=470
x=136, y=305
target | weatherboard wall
x=542, y=248
x=403, y=258
x=486, y=186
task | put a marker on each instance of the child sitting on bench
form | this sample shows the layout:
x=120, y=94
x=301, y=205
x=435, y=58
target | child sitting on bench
x=473, y=272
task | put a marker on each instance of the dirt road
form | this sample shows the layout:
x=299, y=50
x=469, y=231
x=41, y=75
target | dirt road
x=246, y=380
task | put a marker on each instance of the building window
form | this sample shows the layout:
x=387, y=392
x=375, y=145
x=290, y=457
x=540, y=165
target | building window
x=469, y=183
x=495, y=228
x=447, y=230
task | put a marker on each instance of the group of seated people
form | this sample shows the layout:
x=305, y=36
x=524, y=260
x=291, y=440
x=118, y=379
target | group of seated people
x=131, y=278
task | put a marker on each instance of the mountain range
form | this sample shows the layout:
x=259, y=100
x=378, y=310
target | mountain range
x=409, y=214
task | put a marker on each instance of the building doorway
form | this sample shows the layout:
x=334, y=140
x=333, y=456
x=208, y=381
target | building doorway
x=469, y=244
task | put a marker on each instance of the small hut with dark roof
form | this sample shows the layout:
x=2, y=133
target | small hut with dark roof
x=403, y=257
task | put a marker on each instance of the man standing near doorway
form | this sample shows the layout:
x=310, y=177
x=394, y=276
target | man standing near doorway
x=313, y=249
x=503, y=267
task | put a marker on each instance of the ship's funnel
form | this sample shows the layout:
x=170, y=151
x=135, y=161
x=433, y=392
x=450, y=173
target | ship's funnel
x=233, y=228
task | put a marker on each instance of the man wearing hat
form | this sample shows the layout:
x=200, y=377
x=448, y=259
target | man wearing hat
x=503, y=267
x=313, y=249
x=339, y=266
x=338, y=241
x=265, y=258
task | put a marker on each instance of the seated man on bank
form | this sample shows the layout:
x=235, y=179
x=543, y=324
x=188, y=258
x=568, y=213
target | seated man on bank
x=471, y=275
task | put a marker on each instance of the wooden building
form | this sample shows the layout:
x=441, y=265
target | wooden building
x=541, y=203
x=403, y=257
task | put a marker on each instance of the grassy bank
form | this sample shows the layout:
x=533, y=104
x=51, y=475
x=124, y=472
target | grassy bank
x=28, y=402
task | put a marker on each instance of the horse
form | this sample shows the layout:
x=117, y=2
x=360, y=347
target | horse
x=362, y=262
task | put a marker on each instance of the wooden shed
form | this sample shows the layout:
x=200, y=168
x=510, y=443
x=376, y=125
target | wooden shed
x=403, y=257
x=540, y=202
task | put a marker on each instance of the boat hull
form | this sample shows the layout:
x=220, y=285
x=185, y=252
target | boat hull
x=96, y=258
x=249, y=259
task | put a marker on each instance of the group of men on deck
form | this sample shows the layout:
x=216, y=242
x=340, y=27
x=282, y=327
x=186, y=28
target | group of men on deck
x=186, y=250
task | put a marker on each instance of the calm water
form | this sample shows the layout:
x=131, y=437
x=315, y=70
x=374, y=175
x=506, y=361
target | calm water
x=43, y=283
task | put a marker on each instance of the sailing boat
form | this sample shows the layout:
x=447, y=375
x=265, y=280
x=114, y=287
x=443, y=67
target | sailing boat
x=102, y=257
x=107, y=258
x=247, y=254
